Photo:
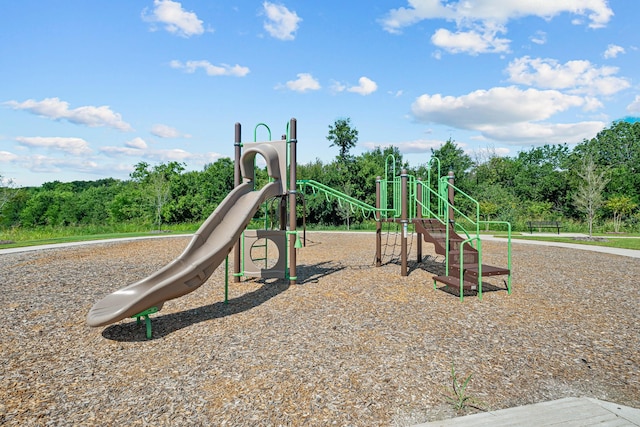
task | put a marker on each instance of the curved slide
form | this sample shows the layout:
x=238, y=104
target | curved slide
x=208, y=248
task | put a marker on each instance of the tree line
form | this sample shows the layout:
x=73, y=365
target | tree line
x=594, y=184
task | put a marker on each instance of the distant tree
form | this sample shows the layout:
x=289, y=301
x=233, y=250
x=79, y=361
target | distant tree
x=616, y=148
x=542, y=175
x=7, y=192
x=620, y=206
x=453, y=158
x=156, y=183
x=487, y=209
x=343, y=136
x=589, y=198
x=160, y=190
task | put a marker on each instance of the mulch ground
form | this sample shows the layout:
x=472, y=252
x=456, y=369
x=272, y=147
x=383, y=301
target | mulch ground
x=351, y=344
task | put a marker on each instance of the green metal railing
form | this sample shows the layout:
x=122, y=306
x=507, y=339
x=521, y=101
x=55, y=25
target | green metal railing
x=316, y=187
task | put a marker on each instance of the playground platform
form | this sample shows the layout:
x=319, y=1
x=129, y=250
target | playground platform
x=570, y=411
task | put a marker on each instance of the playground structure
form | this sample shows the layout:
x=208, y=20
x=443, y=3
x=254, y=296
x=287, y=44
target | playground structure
x=220, y=233
x=400, y=198
x=407, y=201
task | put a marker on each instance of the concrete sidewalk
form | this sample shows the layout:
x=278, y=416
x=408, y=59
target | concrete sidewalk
x=570, y=411
x=633, y=253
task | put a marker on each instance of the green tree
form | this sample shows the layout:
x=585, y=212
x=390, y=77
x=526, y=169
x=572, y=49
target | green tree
x=343, y=136
x=156, y=183
x=620, y=206
x=616, y=148
x=542, y=175
x=453, y=158
x=487, y=210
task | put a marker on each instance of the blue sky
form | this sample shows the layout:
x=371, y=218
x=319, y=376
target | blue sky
x=91, y=88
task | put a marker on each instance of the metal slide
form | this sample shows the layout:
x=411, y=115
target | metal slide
x=208, y=248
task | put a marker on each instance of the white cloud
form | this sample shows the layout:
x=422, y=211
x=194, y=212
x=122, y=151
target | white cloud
x=597, y=11
x=577, y=77
x=55, y=109
x=55, y=165
x=471, y=42
x=613, y=51
x=210, y=69
x=417, y=11
x=75, y=146
x=176, y=20
x=476, y=21
x=6, y=157
x=634, y=107
x=137, y=147
x=337, y=87
x=540, y=37
x=366, y=86
x=112, y=151
x=137, y=143
x=305, y=82
x=499, y=105
x=408, y=147
x=529, y=133
x=507, y=114
x=164, y=131
x=282, y=23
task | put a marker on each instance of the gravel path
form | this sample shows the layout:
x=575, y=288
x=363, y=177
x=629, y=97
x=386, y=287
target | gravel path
x=350, y=345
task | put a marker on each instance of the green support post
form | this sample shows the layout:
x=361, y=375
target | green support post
x=147, y=319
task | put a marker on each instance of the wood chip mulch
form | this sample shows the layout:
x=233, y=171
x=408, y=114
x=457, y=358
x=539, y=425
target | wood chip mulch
x=350, y=345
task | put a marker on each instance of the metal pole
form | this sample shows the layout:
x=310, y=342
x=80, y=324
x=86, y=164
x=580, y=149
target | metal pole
x=378, y=224
x=293, y=133
x=419, y=217
x=450, y=178
x=403, y=221
x=304, y=220
x=237, y=180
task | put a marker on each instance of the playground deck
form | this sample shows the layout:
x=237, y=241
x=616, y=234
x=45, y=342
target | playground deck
x=350, y=345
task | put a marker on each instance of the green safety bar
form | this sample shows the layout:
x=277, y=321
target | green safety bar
x=366, y=209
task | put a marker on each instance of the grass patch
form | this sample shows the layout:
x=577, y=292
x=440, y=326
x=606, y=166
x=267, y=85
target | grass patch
x=19, y=237
x=610, y=242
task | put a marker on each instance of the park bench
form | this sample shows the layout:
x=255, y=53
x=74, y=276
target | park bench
x=544, y=224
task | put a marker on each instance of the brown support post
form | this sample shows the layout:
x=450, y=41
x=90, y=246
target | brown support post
x=450, y=178
x=419, y=217
x=378, y=224
x=237, y=180
x=282, y=215
x=293, y=134
x=404, y=222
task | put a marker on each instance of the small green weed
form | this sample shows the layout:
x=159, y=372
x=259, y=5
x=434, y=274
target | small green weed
x=458, y=396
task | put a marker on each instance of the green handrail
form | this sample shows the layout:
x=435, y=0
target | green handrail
x=444, y=207
x=367, y=210
x=508, y=224
x=479, y=248
x=255, y=131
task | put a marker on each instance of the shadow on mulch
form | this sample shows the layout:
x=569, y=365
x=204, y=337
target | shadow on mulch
x=436, y=266
x=486, y=287
x=313, y=273
x=167, y=324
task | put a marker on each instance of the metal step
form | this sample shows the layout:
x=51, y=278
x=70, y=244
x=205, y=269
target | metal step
x=454, y=282
x=471, y=270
